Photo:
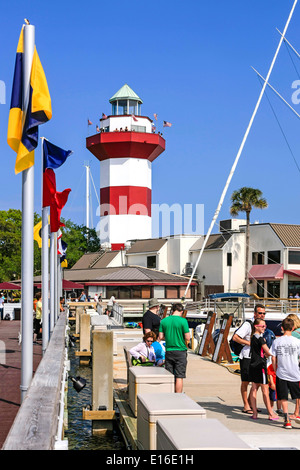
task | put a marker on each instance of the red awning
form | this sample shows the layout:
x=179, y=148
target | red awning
x=69, y=285
x=266, y=271
x=66, y=285
x=292, y=272
x=9, y=286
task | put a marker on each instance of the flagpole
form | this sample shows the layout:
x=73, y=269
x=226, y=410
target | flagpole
x=241, y=147
x=52, y=280
x=55, y=278
x=27, y=232
x=45, y=266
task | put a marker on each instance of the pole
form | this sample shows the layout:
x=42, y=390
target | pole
x=87, y=196
x=45, y=267
x=27, y=231
x=52, y=280
x=55, y=278
x=241, y=147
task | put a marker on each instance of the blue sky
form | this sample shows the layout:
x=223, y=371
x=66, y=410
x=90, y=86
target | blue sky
x=190, y=62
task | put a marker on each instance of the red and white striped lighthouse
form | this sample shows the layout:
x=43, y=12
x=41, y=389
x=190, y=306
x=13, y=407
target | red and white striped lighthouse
x=126, y=148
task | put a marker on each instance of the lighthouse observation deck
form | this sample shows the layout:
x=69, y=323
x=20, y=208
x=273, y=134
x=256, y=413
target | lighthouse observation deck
x=126, y=143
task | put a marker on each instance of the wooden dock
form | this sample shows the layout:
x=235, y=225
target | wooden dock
x=10, y=374
x=216, y=387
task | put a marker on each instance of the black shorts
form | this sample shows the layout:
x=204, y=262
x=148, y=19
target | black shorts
x=36, y=325
x=176, y=362
x=283, y=387
x=244, y=367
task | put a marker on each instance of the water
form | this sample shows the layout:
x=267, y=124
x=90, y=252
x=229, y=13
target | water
x=79, y=432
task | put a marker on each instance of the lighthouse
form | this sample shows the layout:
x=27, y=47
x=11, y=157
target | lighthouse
x=126, y=146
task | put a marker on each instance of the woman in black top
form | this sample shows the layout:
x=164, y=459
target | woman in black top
x=258, y=368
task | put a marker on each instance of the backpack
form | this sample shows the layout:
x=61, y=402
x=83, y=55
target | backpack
x=237, y=347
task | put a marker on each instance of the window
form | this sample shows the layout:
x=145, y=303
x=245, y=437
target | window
x=133, y=107
x=229, y=259
x=258, y=258
x=171, y=292
x=159, y=292
x=294, y=257
x=260, y=289
x=293, y=288
x=138, y=128
x=273, y=289
x=146, y=292
x=182, y=291
x=124, y=292
x=274, y=257
x=151, y=262
x=122, y=107
x=112, y=291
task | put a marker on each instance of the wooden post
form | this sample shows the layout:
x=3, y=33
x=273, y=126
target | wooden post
x=84, y=352
x=207, y=345
x=102, y=414
x=222, y=350
x=79, y=311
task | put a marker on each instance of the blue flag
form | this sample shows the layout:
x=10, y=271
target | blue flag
x=54, y=156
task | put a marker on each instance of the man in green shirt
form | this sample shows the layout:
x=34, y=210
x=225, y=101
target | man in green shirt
x=175, y=330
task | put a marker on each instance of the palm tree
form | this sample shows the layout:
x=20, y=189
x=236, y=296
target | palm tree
x=243, y=200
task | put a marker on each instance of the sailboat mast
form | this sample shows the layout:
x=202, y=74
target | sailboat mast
x=87, y=194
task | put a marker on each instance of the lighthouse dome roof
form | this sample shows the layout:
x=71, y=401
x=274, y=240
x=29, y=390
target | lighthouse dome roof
x=125, y=93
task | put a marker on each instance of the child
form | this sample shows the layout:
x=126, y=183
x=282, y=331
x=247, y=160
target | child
x=272, y=388
x=258, y=368
x=286, y=352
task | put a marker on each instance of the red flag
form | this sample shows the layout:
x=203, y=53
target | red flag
x=155, y=116
x=104, y=116
x=133, y=117
x=89, y=122
x=59, y=202
x=56, y=200
x=49, y=187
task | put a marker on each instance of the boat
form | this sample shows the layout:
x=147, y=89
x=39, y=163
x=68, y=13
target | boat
x=240, y=306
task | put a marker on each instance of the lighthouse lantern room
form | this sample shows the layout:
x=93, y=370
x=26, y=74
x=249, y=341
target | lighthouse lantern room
x=126, y=146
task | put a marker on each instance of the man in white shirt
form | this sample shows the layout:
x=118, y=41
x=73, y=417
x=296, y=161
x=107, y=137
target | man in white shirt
x=285, y=359
x=243, y=337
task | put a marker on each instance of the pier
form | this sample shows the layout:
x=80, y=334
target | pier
x=39, y=424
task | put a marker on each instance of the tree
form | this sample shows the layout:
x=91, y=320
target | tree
x=10, y=245
x=244, y=200
x=80, y=240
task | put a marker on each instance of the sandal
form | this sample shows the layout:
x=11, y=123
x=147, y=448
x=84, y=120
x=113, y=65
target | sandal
x=249, y=412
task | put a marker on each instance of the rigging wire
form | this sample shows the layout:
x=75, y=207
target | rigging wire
x=289, y=53
x=282, y=131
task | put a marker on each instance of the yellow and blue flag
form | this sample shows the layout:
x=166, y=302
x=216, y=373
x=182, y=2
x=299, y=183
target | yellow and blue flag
x=22, y=133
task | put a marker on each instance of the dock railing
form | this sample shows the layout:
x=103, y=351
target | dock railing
x=38, y=424
x=280, y=305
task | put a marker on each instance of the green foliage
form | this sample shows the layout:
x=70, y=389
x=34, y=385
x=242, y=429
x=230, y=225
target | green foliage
x=79, y=238
x=245, y=199
x=10, y=245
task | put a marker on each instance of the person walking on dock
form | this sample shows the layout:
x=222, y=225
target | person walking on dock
x=258, y=374
x=38, y=317
x=243, y=337
x=285, y=358
x=175, y=330
x=151, y=319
